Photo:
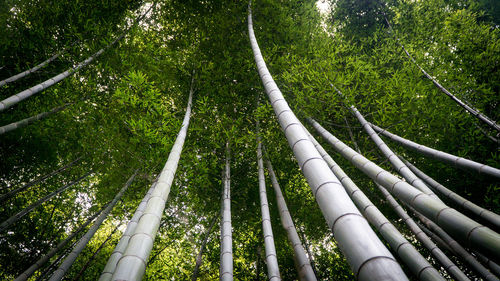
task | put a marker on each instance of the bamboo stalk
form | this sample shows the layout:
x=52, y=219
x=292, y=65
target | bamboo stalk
x=226, y=237
x=29, y=71
x=27, y=121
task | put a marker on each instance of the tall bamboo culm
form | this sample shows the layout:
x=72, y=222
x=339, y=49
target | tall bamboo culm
x=398, y=165
x=45, y=258
x=481, y=212
x=132, y=265
x=477, y=236
x=122, y=244
x=226, y=236
x=27, y=121
x=456, y=161
x=418, y=265
x=273, y=272
x=367, y=255
x=302, y=262
x=70, y=259
x=29, y=71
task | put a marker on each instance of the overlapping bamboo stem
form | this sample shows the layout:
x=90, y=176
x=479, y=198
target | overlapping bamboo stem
x=302, y=262
x=199, y=260
x=27, y=121
x=481, y=212
x=29, y=71
x=456, y=161
x=45, y=258
x=132, y=265
x=418, y=265
x=226, y=236
x=273, y=272
x=402, y=169
x=70, y=259
x=11, y=193
x=31, y=207
x=367, y=255
x=457, y=248
x=475, y=235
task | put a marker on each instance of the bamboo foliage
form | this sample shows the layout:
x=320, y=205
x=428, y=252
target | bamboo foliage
x=27, y=121
x=31, y=207
x=70, y=259
x=419, y=265
x=13, y=192
x=132, y=264
x=14, y=99
x=477, y=236
x=29, y=71
x=423, y=238
x=45, y=258
x=402, y=169
x=457, y=248
x=122, y=244
x=226, y=236
x=481, y=212
x=273, y=272
x=368, y=257
x=302, y=262
x=456, y=161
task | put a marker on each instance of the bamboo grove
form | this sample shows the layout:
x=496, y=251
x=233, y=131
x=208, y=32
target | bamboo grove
x=270, y=140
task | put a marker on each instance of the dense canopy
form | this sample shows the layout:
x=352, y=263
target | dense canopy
x=336, y=62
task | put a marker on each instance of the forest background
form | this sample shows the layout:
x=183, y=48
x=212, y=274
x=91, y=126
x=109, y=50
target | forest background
x=123, y=111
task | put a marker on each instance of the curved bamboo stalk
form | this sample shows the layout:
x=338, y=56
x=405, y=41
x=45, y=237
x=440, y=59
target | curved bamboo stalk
x=11, y=193
x=448, y=265
x=43, y=260
x=400, y=167
x=30, y=208
x=481, y=212
x=96, y=252
x=70, y=259
x=457, y=248
x=367, y=255
x=132, y=264
x=485, y=119
x=477, y=236
x=226, y=237
x=120, y=247
x=14, y=99
x=27, y=121
x=418, y=265
x=302, y=262
x=199, y=260
x=458, y=162
x=273, y=272
x=29, y=71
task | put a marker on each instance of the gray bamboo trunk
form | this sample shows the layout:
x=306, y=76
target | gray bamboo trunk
x=302, y=262
x=418, y=265
x=457, y=248
x=448, y=265
x=4, y=226
x=27, y=121
x=485, y=119
x=96, y=252
x=11, y=193
x=481, y=212
x=273, y=272
x=120, y=247
x=14, y=99
x=479, y=237
x=226, y=236
x=199, y=257
x=44, y=259
x=398, y=165
x=70, y=259
x=29, y=71
x=456, y=161
x=494, y=267
x=367, y=255
x=132, y=265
